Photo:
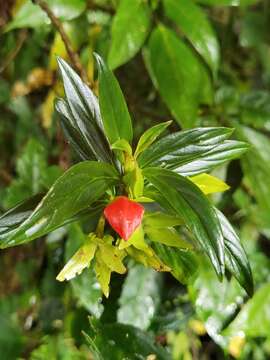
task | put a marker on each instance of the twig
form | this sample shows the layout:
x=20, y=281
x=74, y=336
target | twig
x=74, y=57
x=11, y=56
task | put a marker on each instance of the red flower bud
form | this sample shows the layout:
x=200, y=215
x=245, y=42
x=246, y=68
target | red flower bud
x=124, y=216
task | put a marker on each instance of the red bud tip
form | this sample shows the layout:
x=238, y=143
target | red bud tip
x=124, y=216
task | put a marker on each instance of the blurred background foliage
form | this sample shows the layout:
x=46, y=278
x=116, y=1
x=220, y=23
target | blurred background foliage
x=201, y=63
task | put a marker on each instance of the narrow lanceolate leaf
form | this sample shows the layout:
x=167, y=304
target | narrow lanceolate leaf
x=209, y=184
x=79, y=261
x=235, y=257
x=113, y=107
x=222, y=153
x=81, y=116
x=186, y=200
x=193, y=22
x=183, y=264
x=129, y=30
x=16, y=215
x=183, y=147
x=73, y=133
x=178, y=74
x=73, y=192
x=140, y=297
x=193, y=151
x=149, y=136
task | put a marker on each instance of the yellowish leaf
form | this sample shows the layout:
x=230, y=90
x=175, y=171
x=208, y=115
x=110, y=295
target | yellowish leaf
x=103, y=273
x=147, y=260
x=236, y=345
x=47, y=110
x=79, y=261
x=112, y=257
x=209, y=184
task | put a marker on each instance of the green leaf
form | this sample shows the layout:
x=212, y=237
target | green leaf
x=205, y=162
x=149, y=136
x=122, y=145
x=57, y=347
x=192, y=151
x=85, y=286
x=31, y=169
x=179, y=76
x=235, y=257
x=16, y=215
x=256, y=168
x=161, y=220
x=228, y=2
x=209, y=184
x=216, y=303
x=186, y=200
x=193, y=22
x=140, y=297
x=129, y=30
x=73, y=192
x=167, y=236
x=72, y=131
x=81, y=111
x=103, y=274
x=114, y=111
x=121, y=341
x=31, y=15
x=253, y=320
x=183, y=264
x=79, y=261
x=112, y=257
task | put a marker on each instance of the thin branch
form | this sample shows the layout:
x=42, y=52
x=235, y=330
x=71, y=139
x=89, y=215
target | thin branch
x=11, y=56
x=74, y=57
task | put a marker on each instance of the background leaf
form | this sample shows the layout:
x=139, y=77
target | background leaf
x=119, y=341
x=178, y=75
x=129, y=30
x=194, y=24
x=140, y=297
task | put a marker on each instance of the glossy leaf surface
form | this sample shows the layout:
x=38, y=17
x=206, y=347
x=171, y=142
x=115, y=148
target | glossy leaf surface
x=183, y=264
x=193, y=151
x=187, y=201
x=179, y=76
x=81, y=111
x=235, y=257
x=193, y=22
x=114, y=111
x=129, y=30
x=120, y=341
x=73, y=192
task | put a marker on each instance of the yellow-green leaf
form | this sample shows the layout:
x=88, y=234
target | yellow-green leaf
x=122, y=145
x=103, y=273
x=146, y=259
x=79, y=261
x=137, y=240
x=161, y=220
x=209, y=184
x=168, y=236
x=112, y=257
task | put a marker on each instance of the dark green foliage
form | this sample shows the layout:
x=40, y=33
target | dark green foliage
x=175, y=89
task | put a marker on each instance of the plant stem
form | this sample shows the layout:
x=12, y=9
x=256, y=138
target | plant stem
x=74, y=57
